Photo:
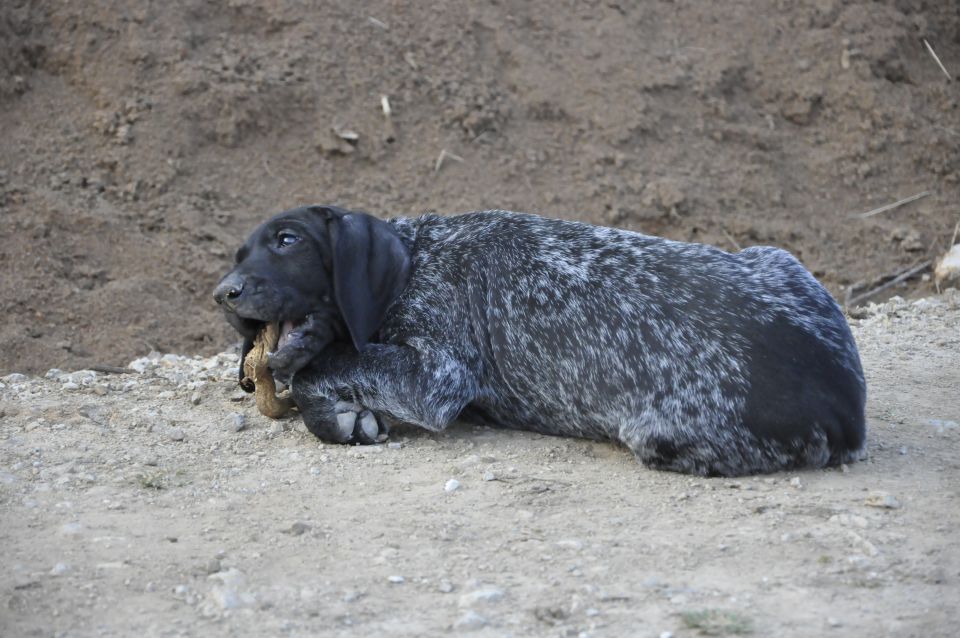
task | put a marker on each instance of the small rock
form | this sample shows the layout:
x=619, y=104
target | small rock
x=195, y=398
x=833, y=622
x=883, y=500
x=71, y=529
x=236, y=422
x=16, y=377
x=482, y=595
x=489, y=476
x=396, y=579
x=470, y=621
x=665, y=195
x=70, y=386
x=795, y=482
x=394, y=445
x=176, y=434
x=451, y=486
x=666, y=634
x=571, y=543
x=59, y=569
x=212, y=566
x=297, y=529
x=445, y=587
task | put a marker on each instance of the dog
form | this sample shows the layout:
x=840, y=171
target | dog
x=698, y=360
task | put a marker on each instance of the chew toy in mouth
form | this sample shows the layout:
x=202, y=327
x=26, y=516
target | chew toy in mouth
x=256, y=371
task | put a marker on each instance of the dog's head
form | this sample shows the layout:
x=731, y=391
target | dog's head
x=337, y=268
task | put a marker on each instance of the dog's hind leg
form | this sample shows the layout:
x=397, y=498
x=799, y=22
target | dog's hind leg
x=345, y=395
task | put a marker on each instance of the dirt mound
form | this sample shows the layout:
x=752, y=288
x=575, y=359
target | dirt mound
x=143, y=141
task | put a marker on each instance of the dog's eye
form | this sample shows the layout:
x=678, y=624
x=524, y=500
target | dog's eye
x=285, y=239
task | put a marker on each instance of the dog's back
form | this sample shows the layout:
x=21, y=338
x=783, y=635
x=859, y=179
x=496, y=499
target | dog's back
x=699, y=360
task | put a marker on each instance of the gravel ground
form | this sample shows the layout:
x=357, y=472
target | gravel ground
x=158, y=502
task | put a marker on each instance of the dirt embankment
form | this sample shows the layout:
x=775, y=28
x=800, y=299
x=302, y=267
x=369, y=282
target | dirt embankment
x=142, y=141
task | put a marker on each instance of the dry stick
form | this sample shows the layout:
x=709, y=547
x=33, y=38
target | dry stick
x=98, y=367
x=916, y=270
x=444, y=154
x=731, y=239
x=937, y=60
x=906, y=200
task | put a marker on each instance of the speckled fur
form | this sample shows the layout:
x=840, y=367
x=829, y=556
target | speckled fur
x=698, y=360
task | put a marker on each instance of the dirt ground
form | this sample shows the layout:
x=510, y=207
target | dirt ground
x=131, y=505
x=141, y=141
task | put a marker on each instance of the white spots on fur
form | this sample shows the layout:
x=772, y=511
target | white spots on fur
x=572, y=329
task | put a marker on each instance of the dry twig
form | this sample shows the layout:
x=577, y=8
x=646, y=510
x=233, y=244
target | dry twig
x=905, y=275
x=936, y=59
x=905, y=200
x=444, y=154
x=730, y=239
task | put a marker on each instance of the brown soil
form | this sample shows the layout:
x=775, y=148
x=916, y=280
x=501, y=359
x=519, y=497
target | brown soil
x=142, y=141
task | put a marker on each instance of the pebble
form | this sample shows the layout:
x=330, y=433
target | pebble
x=883, y=500
x=833, y=622
x=195, y=398
x=176, y=434
x=229, y=595
x=445, y=587
x=71, y=529
x=451, y=486
x=394, y=445
x=236, y=422
x=59, y=569
x=666, y=634
x=795, y=482
x=484, y=595
x=470, y=621
x=70, y=386
x=298, y=529
x=489, y=476
x=396, y=579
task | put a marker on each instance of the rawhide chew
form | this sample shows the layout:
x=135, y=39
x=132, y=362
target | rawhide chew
x=256, y=371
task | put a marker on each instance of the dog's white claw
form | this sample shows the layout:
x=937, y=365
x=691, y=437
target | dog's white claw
x=345, y=423
x=370, y=426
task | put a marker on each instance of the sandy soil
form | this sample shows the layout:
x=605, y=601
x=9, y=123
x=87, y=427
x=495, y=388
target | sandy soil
x=141, y=140
x=132, y=505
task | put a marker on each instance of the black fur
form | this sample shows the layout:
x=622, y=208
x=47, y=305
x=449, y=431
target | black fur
x=699, y=360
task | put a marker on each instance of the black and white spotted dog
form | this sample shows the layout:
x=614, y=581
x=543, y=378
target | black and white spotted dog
x=698, y=360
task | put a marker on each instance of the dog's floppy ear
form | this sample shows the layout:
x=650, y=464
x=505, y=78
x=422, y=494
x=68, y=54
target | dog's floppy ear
x=371, y=266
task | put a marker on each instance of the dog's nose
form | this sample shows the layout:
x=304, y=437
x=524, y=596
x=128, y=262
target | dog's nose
x=228, y=290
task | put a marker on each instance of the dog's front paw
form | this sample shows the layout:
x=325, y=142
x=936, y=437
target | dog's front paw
x=357, y=425
x=288, y=360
